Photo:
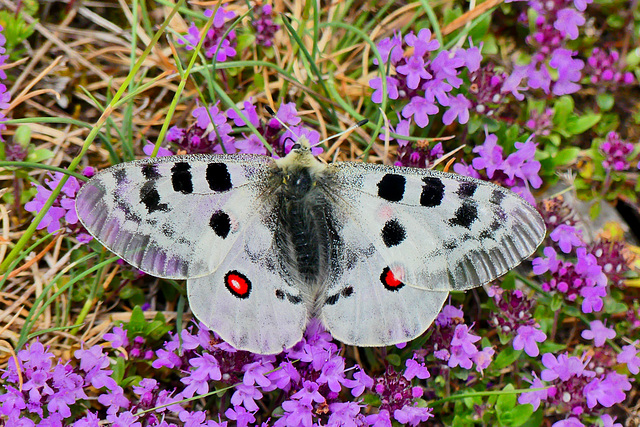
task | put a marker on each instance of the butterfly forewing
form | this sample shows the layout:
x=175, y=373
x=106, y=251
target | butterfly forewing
x=170, y=216
x=440, y=231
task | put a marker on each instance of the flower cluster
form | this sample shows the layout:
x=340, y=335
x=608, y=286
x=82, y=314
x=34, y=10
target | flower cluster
x=519, y=170
x=573, y=389
x=214, y=44
x=604, y=66
x=41, y=392
x=63, y=207
x=264, y=26
x=587, y=273
x=211, y=132
x=616, y=152
x=453, y=342
x=514, y=315
x=556, y=22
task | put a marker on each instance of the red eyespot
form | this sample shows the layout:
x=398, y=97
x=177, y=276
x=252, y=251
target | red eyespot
x=238, y=284
x=389, y=280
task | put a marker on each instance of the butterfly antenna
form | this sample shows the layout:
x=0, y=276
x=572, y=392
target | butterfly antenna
x=273, y=115
x=357, y=125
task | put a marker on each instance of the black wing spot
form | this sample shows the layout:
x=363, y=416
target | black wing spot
x=432, y=192
x=121, y=176
x=181, y=178
x=218, y=177
x=150, y=171
x=150, y=197
x=466, y=189
x=346, y=292
x=393, y=233
x=450, y=244
x=220, y=223
x=495, y=225
x=391, y=187
x=465, y=215
x=497, y=196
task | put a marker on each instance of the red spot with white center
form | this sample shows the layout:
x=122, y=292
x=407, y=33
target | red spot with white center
x=390, y=280
x=238, y=284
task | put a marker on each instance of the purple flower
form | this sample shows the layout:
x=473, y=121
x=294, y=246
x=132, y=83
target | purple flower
x=246, y=396
x=534, y=397
x=422, y=43
x=63, y=206
x=483, y=358
x=381, y=419
x=309, y=393
x=240, y=415
x=568, y=71
x=567, y=237
x=599, y=333
x=297, y=413
x=550, y=263
x=343, y=413
x=390, y=49
x=562, y=367
x=629, y=355
x=569, y=422
x=118, y=337
x=392, y=88
x=416, y=369
x=206, y=367
x=162, y=152
x=445, y=66
x=264, y=26
x=616, y=152
x=608, y=391
x=332, y=373
x=123, y=419
x=568, y=22
x=527, y=338
x=412, y=415
x=420, y=108
x=359, y=382
x=448, y=315
x=462, y=347
x=415, y=70
x=458, y=107
x=608, y=421
x=490, y=155
x=593, y=298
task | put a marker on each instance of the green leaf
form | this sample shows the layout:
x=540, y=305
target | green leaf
x=566, y=156
x=616, y=21
x=505, y=358
x=118, y=370
x=506, y=402
x=137, y=323
x=39, y=155
x=605, y=101
x=594, y=210
x=245, y=41
x=562, y=108
x=580, y=124
x=556, y=302
x=521, y=414
x=394, y=359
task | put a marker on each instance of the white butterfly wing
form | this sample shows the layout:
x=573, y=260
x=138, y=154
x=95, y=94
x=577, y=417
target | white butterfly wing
x=250, y=300
x=173, y=217
x=419, y=234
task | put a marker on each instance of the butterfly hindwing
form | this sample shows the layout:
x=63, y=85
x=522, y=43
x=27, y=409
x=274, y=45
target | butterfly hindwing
x=365, y=305
x=176, y=216
x=249, y=300
x=440, y=231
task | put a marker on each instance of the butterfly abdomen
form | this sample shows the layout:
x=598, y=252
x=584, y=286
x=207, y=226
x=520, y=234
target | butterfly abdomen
x=303, y=232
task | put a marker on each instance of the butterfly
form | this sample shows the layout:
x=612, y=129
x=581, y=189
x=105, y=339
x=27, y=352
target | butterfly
x=265, y=244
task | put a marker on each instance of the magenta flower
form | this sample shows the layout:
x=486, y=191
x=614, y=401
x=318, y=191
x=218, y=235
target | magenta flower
x=527, y=338
x=422, y=43
x=458, y=107
x=414, y=70
x=420, y=108
x=416, y=369
x=629, y=355
x=567, y=237
x=599, y=333
x=608, y=391
x=550, y=263
x=392, y=88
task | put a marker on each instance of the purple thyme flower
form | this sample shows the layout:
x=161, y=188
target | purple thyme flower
x=527, y=338
x=607, y=391
x=599, y=333
x=264, y=26
x=567, y=237
x=629, y=355
x=616, y=152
